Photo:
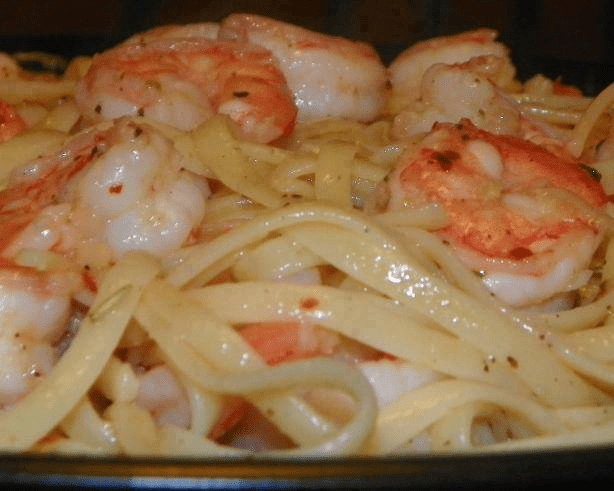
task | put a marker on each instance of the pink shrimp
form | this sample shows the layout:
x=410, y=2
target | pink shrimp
x=462, y=76
x=183, y=82
x=329, y=76
x=26, y=197
x=466, y=90
x=527, y=219
x=103, y=194
x=408, y=69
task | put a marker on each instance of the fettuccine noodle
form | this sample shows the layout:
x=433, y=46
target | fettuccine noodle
x=302, y=313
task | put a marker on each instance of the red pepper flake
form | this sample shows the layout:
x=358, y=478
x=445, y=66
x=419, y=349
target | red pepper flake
x=116, y=188
x=520, y=253
x=512, y=361
x=90, y=282
x=309, y=303
x=445, y=159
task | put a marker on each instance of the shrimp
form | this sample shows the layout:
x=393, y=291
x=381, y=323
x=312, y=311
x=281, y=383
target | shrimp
x=34, y=312
x=449, y=93
x=104, y=193
x=207, y=30
x=183, y=82
x=468, y=75
x=11, y=123
x=469, y=90
x=408, y=69
x=329, y=76
x=528, y=220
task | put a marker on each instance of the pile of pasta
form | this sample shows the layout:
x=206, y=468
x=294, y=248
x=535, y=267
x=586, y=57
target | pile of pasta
x=538, y=380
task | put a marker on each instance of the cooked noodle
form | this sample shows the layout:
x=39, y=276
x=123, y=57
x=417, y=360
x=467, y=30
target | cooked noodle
x=502, y=378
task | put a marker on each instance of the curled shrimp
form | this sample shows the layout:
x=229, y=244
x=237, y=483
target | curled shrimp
x=184, y=81
x=106, y=192
x=449, y=93
x=528, y=220
x=408, y=69
x=468, y=75
x=329, y=76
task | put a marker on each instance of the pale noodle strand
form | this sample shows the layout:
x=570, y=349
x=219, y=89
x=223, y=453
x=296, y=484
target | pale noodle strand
x=205, y=407
x=591, y=368
x=445, y=259
x=83, y=424
x=15, y=91
x=272, y=259
x=135, y=429
x=118, y=382
x=554, y=101
x=580, y=418
x=595, y=343
x=453, y=431
x=430, y=217
x=406, y=418
x=389, y=270
x=190, y=261
x=374, y=321
x=230, y=164
x=585, y=438
x=576, y=319
x=581, y=131
x=551, y=115
x=333, y=175
x=69, y=447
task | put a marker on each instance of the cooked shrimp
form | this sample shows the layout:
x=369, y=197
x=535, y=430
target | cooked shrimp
x=329, y=76
x=207, y=30
x=34, y=311
x=183, y=82
x=408, y=69
x=105, y=193
x=450, y=92
x=529, y=221
x=462, y=76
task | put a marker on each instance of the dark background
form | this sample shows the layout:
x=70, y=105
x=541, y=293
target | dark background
x=570, y=38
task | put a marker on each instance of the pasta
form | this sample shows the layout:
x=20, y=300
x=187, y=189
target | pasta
x=233, y=273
